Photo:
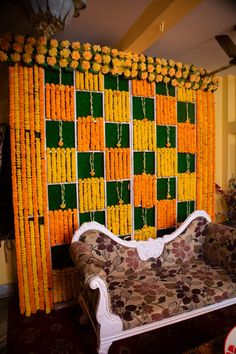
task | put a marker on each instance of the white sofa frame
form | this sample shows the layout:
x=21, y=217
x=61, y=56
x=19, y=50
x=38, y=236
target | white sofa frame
x=110, y=327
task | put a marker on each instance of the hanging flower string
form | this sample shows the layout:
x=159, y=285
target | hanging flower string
x=186, y=95
x=88, y=81
x=90, y=134
x=91, y=163
x=119, y=219
x=143, y=88
x=61, y=165
x=166, y=108
x=91, y=194
x=186, y=186
x=166, y=213
x=117, y=106
x=145, y=190
x=144, y=132
x=117, y=163
x=166, y=162
x=62, y=226
x=59, y=102
x=187, y=138
x=65, y=284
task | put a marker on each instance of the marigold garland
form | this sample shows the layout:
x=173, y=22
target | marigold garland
x=117, y=163
x=166, y=162
x=90, y=134
x=145, y=233
x=186, y=186
x=145, y=190
x=91, y=194
x=61, y=231
x=119, y=219
x=166, y=213
x=187, y=137
x=65, y=284
x=89, y=81
x=186, y=95
x=143, y=88
x=59, y=102
x=61, y=165
x=144, y=135
x=166, y=112
x=117, y=106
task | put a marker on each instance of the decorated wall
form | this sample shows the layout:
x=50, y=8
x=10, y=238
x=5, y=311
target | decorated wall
x=97, y=134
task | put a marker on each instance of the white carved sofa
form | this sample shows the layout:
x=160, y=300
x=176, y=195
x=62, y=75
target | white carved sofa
x=130, y=287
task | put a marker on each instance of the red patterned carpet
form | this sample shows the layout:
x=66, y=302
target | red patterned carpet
x=60, y=333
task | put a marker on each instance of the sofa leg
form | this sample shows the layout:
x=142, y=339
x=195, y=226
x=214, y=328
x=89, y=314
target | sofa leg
x=104, y=347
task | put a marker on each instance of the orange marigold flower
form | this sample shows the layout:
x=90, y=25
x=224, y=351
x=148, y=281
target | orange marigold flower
x=114, y=52
x=120, y=70
x=144, y=75
x=15, y=57
x=127, y=73
x=52, y=52
x=98, y=58
x=53, y=43
x=196, y=86
x=65, y=53
x=158, y=68
x=105, y=50
x=134, y=73
x=87, y=46
x=63, y=63
x=3, y=56
x=150, y=68
x=65, y=44
x=192, y=78
x=74, y=64
x=105, y=69
x=164, y=61
x=128, y=63
x=151, y=77
x=187, y=85
x=116, y=62
x=158, y=61
x=129, y=55
x=135, y=58
x=122, y=54
x=42, y=41
x=142, y=58
x=159, y=78
x=26, y=58
x=87, y=55
x=114, y=70
x=174, y=82
x=75, y=55
x=179, y=65
x=75, y=45
x=85, y=65
x=40, y=58
x=4, y=44
x=164, y=71
x=28, y=48
x=51, y=61
x=171, y=62
x=142, y=66
x=31, y=40
x=41, y=49
x=17, y=47
x=106, y=59
x=134, y=66
x=171, y=72
x=96, y=48
x=19, y=39
x=96, y=66
x=178, y=74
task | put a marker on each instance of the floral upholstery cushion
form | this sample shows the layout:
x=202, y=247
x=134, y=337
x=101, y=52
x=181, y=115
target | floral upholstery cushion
x=220, y=246
x=151, y=295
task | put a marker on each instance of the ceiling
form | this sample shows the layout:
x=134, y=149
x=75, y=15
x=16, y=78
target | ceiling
x=187, y=36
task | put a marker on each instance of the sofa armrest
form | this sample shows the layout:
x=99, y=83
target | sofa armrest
x=86, y=263
x=220, y=246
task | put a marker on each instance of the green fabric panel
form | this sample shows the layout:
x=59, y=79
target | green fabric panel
x=98, y=216
x=182, y=162
x=161, y=89
x=162, y=188
x=138, y=110
x=110, y=82
x=138, y=219
x=54, y=196
x=83, y=108
x=163, y=232
x=84, y=164
x=53, y=77
x=182, y=112
x=52, y=134
x=138, y=162
x=162, y=136
x=182, y=210
x=61, y=257
x=112, y=197
x=111, y=132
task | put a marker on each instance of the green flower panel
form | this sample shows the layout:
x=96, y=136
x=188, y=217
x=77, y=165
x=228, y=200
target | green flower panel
x=184, y=209
x=114, y=131
x=162, y=188
x=54, y=196
x=83, y=104
x=139, y=215
x=98, y=216
x=184, y=111
x=184, y=161
x=118, y=189
x=163, y=89
x=52, y=76
x=161, y=137
x=116, y=83
x=85, y=159
x=143, y=105
x=139, y=162
x=52, y=134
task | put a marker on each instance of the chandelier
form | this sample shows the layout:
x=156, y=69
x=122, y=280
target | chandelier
x=48, y=17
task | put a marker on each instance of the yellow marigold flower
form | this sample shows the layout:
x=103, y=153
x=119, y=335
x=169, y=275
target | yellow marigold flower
x=4, y=44
x=129, y=55
x=159, y=78
x=74, y=64
x=96, y=66
x=17, y=47
x=105, y=50
x=19, y=39
x=134, y=73
x=122, y=55
x=75, y=45
x=51, y=61
x=158, y=61
x=65, y=53
x=120, y=70
x=142, y=58
x=193, y=68
x=144, y=75
x=87, y=46
x=127, y=73
x=3, y=56
x=75, y=55
x=65, y=44
x=15, y=57
x=142, y=66
x=40, y=58
x=42, y=41
x=196, y=86
x=187, y=85
x=135, y=58
x=171, y=62
x=192, y=78
x=96, y=48
x=114, y=70
x=179, y=65
x=164, y=71
x=116, y=62
x=150, y=68
x=164, y=61
x=98, y=58
x=166, y=80
x=185, y=74
x=171, y=72
x=85, y=65
x=187, y=67
x=52, y=52
x=174, y=82
x=158, y=68
x=151, y=77
x=53, y=43
x=150, y=60
x=63, y=63
x=178, y=74
x=28, y=48
x=26, y=58
x=105, y=69
x=41, y=49
x=114, y=52
x=87, y=55
x=127, y=63
x=197, y=78
x=202, y=71
x=134, y=66
x=106, y=59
